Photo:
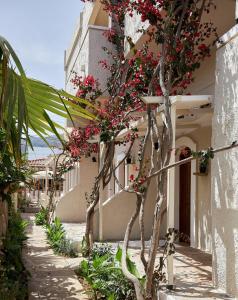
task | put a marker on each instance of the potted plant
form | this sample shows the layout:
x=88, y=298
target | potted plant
x=203, y=166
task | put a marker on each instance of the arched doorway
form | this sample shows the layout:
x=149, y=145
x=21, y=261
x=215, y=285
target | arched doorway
x=185, y=197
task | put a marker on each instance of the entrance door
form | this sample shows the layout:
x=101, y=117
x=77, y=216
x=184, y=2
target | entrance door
x=184, y=198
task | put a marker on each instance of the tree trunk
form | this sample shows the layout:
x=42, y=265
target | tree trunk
x=89, y=225
x=129, y=276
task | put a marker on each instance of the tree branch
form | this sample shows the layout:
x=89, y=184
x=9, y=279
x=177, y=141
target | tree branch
x=187, y=160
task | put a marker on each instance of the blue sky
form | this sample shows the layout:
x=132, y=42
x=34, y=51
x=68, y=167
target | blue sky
x=39, y=32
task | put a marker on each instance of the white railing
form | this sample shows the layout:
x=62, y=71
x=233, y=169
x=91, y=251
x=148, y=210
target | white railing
x=71, y=179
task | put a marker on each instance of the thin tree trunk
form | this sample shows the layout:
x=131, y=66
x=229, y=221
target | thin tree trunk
x=142, y=232
x=149, y=286
x=131, y=277
x=89, y=219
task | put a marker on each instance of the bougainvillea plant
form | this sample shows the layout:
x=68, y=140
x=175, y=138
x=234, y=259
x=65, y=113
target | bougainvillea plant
x=177, y=40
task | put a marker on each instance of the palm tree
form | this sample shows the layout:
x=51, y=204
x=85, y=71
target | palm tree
x=25, y=103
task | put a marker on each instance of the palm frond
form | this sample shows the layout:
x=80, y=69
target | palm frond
x=25, y=102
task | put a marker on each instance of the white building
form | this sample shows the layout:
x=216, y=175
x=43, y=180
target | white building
x=206, y=207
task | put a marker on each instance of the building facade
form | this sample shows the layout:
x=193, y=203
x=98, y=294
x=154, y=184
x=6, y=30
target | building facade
x=205, y=204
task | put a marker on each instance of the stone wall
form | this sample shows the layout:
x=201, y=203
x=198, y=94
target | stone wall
x=224, y=168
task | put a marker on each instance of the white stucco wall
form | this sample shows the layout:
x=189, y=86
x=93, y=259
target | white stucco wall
x=72, y=206
x=132, y=25
x=202, y=137
x=85, y=50
x=117, y=209
x=224, y=171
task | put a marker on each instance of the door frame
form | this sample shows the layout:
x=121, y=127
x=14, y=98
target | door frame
x=181, y=142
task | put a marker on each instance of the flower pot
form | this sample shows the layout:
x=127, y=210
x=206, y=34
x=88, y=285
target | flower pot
x=203, y=168
x=128, y=160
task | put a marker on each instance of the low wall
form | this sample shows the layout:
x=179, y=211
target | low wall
x=72, y=206
x=117, y=212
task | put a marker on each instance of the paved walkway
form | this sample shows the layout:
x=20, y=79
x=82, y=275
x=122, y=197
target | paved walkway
x=52, y=276
x=192, y=267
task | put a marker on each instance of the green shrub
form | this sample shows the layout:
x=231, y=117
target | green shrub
x=41, y=216
x=103, y=273
x=57, y=239
x=13, y=276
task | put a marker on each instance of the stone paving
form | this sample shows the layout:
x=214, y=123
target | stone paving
x=193, y=268
x=52, y=276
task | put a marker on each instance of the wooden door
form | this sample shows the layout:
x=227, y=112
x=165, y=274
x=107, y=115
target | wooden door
x=184, y=200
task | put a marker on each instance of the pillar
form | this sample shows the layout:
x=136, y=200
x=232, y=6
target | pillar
x=171, y=197
x=237, y=11
x=46, y=180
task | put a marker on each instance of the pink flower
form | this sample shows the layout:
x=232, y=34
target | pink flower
x=74, y=150
x=132, y=177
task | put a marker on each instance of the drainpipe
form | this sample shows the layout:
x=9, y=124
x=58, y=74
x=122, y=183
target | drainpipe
x=170, y=201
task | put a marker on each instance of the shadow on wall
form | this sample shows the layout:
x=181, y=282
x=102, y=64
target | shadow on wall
x=117, y=212
x=224, y=170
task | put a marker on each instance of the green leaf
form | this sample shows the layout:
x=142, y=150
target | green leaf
x=118, y=255
x=132, y=267
x=48, y=119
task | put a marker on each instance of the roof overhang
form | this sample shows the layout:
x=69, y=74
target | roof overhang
x=181, y=101
x=200, y=104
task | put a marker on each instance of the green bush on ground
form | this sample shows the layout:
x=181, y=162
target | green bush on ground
x=102, y=271
x=13, y=275
x=57, y=239
x=41, y=216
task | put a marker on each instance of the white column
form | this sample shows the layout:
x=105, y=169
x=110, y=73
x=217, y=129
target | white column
x=75, y=176
x=67, y=182
x=70, y=180
x=46, y=179
x=64, y=184
x=78, y=174
x=237, y=10
x=171, y=197
x=122, y=175
x=68, y=177
x=102, y=155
